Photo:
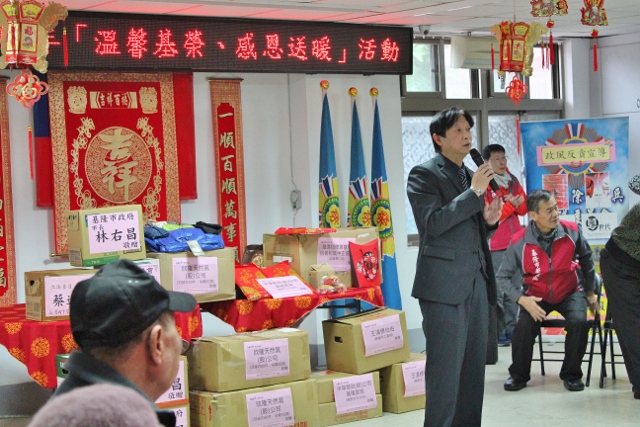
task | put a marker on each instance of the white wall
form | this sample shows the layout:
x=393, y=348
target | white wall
x=620, y=90
x=281, y=127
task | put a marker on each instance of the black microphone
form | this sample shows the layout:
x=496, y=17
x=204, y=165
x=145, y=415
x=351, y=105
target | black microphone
x=478, y=160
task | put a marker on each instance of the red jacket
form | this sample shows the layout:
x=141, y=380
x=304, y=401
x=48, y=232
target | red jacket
x=509, y=221
x=550, y=278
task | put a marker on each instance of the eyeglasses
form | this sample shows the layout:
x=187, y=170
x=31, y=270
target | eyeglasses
x=185, y=346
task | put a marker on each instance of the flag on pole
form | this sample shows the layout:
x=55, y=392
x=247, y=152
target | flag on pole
x=328, y=202
x=359, y=213
x=381, y=214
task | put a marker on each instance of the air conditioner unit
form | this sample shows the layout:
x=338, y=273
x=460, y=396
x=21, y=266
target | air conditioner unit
x=473, y=52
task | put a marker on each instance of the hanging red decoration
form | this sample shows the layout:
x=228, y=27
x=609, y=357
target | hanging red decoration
x=552, y=59
x=516, y=45
x=594, y=34
x=493, y=58
x=516, y=90
x=540, y=9
x=593, y=14
x=25, y=43
x=27, y=88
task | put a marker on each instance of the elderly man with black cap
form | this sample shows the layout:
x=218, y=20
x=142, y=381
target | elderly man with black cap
x=123, y=321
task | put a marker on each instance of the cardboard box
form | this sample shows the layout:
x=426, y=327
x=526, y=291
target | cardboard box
x=301, y=250
x=103, y=235
x=318, y=271
x=61, y=373
x=230, y=409
x=47, y=292
x=393, y=388
x=208, y=278
x=344, y=340
x=220, y=363
x=183, y=415
x=178, y=393
x=324, y=381
x=329, y=417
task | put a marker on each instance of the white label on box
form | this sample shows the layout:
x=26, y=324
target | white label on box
x=57, y=293
x=113, y=232
x=355, y=393
x=195, y=275
x=285, y=286
x=382, y=335
x=413, y=375
x=177, y=391
x=270, y=408
x=279, y=258
x=151, y=266
x=267, y=358
x=335, y=252
x=182, y=414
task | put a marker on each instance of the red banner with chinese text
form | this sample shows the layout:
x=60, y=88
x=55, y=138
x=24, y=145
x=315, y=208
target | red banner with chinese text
x=113, y=138
x=8, y=283
x=227, y=133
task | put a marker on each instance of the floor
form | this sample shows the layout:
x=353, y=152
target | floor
x=544, y=402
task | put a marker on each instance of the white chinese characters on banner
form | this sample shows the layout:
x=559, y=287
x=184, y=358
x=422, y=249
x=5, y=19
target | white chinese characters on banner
x=356, y=393
x=413, y=376
x=267, y=358
x=285, y=286
x=335, y=252
x=114, y=232
x=270, y=408
x=382, y=335
x=195, y=275
x=57, y=293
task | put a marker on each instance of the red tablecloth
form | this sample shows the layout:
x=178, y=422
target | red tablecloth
x=36, y=343
x=245, y=315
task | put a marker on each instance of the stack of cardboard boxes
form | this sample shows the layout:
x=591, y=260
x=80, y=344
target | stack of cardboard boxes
x=253, y=379
x=264, y=378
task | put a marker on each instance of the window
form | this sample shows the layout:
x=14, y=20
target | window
x=457, y=80
x=417, y=148
x=493, y=112
x=426, y=69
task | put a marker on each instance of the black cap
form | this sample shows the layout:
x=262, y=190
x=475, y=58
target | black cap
x=119, y=302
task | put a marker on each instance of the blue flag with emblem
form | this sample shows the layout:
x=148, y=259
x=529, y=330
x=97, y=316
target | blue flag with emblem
x=359, y=213
x=328, y=202
x=381, y=215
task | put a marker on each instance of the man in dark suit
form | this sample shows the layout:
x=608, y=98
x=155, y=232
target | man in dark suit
x=455, y=281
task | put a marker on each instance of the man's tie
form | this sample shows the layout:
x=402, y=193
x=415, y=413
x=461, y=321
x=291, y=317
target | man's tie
x=463, y=178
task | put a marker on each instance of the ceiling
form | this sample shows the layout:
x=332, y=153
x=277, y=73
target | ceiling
x=438, y=17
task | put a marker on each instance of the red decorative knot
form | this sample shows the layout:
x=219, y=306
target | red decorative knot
x=516, y=90
x=353, y=91
x=368, y=266
x=324, y=84
x=373, y=91
x=594, y=33
x=550, y=23
x=27, y=88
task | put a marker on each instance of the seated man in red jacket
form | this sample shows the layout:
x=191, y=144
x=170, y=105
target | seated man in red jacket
x=543, y=258
x=514, y=206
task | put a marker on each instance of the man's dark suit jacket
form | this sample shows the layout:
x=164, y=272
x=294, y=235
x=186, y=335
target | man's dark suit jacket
x=447, y=217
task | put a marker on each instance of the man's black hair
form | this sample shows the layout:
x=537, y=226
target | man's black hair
x=444, y=120
x=536, y=197
x=490, y=149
